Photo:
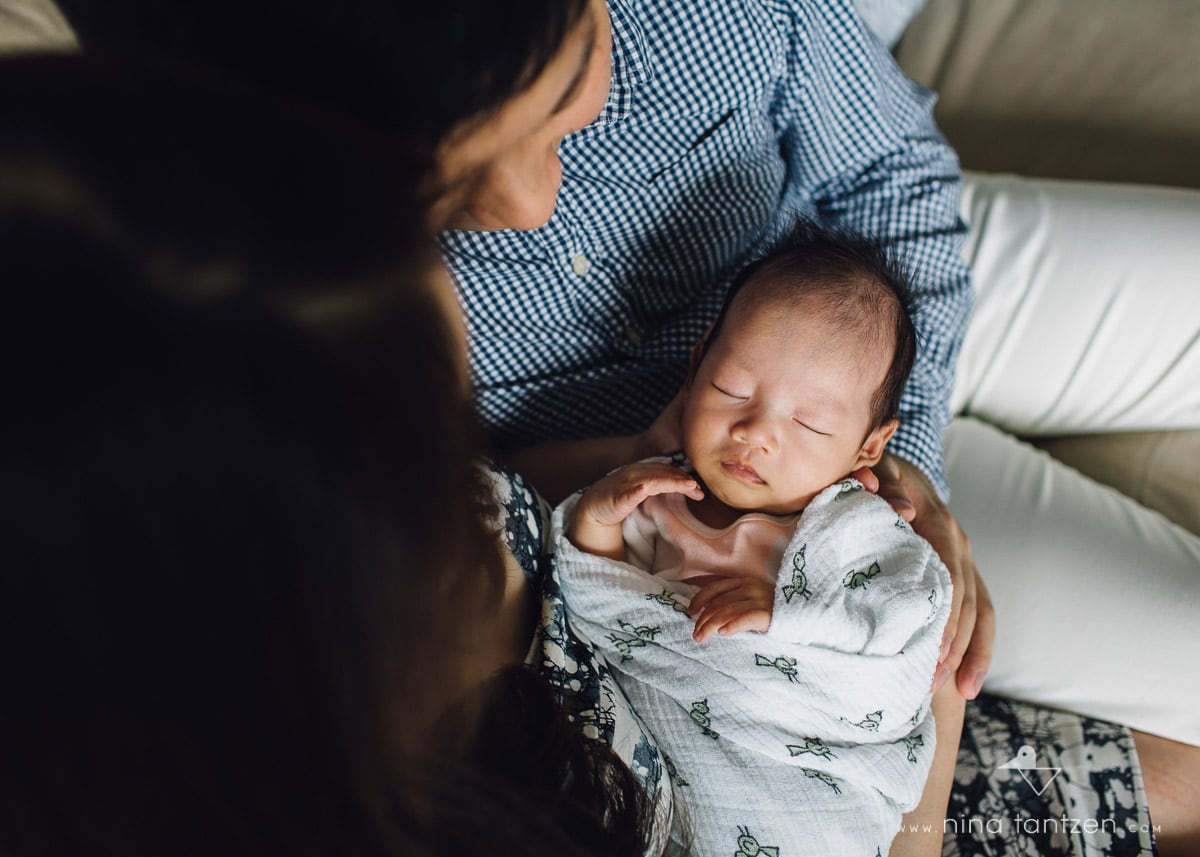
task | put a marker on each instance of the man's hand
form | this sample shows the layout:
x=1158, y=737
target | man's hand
x=971, y=629
x=730, y=605
x=596, y=524
x=665, y=434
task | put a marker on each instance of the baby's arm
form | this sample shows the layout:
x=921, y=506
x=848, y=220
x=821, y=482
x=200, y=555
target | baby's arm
x=596, y=526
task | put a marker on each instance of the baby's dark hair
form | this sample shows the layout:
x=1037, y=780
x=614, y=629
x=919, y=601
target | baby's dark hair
x=865, y=286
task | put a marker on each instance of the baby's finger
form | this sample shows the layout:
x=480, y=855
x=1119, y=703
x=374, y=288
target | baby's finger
x=657, y=478
x=631, y=492
x=751, y=620
x=676, y=482
x=715, y=618
x=706, y=626
x=711, y=588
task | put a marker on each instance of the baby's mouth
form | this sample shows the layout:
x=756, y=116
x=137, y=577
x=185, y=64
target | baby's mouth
x=742, y=472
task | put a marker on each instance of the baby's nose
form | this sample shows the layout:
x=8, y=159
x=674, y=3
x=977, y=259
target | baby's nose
x=756, y=431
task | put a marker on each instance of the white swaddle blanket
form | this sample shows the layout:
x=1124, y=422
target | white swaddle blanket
x=812, y=738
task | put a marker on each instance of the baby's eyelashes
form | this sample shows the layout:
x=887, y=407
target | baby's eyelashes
x=727, y=392
x=813, y=429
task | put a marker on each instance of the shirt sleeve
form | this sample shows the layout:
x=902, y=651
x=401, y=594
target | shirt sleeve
x=861, y=146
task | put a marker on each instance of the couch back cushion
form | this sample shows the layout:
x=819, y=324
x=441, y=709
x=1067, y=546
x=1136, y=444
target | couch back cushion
x=1087, y=89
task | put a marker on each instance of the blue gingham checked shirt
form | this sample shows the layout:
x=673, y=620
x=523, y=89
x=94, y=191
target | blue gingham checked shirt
x=725, y=120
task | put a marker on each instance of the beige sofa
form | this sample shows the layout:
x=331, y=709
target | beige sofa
x=1106, y=90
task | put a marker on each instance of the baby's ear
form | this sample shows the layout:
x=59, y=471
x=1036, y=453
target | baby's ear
x=876, y=442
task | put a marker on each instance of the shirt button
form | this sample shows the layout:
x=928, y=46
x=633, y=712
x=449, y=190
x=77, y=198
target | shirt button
x=580, y=264
x=633, y=335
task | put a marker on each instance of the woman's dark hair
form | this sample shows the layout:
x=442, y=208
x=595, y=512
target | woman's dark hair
x=246, y=557
x=585, y=800
x=866, y=287
x=412, y=69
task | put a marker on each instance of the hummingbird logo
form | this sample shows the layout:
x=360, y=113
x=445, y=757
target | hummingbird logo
x=1024, y=763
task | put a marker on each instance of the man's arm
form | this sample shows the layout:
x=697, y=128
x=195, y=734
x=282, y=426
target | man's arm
x=557, y=468
x=861, y=143
x=861, y=140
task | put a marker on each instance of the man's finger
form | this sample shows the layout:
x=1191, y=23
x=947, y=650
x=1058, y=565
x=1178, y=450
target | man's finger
x=970, y=631
x=903, y=506
x=963, y=630
x=953, y=560
x=890, y=486
x=867, y=477
x=978, y=656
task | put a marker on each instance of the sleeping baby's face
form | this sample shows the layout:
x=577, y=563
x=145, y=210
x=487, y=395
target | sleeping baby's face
x=779, y=407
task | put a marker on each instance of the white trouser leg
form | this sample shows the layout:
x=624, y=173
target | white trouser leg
x=1097, y=598
x=1087, y=319
x=1087, y=313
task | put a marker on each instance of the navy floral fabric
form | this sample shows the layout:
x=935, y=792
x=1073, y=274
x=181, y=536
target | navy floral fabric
x=586, y=688
x=1036, y=781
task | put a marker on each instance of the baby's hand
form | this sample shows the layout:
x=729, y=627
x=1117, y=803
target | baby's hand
x=730, y=605
x=596, y=524
x=611, y=500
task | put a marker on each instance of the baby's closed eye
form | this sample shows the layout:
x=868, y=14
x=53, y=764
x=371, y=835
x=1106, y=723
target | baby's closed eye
x=728, y=391
x=810, y=427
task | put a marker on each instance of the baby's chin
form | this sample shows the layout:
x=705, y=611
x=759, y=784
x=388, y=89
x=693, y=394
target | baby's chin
x=745, y=498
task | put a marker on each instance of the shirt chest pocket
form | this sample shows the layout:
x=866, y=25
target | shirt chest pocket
x=687, y=146
x=653, y=152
